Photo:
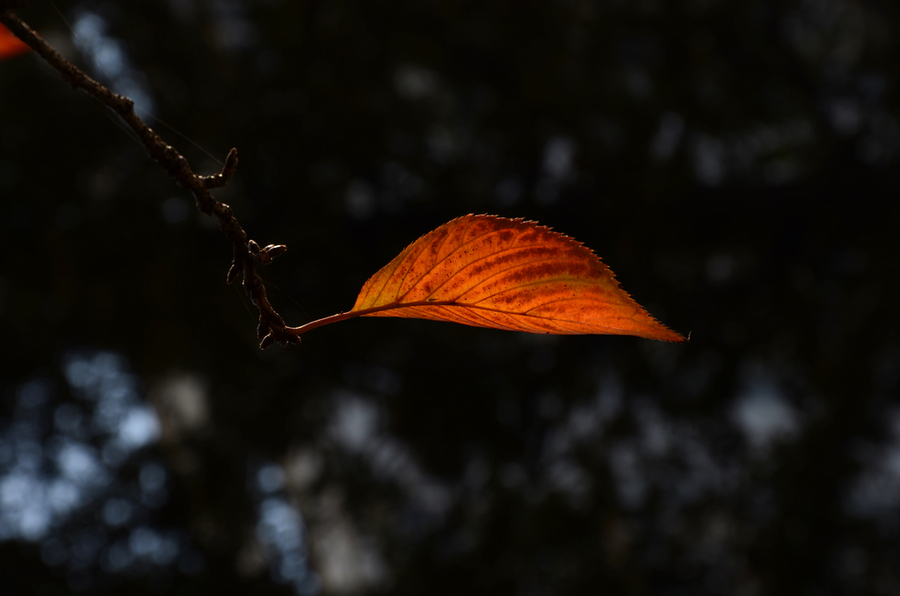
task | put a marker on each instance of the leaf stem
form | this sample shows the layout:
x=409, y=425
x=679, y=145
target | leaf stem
x=341, y=316
x=352, y=314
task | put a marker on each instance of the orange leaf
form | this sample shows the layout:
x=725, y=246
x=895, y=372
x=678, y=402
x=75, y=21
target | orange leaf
x=490, y=271
x=10, y=45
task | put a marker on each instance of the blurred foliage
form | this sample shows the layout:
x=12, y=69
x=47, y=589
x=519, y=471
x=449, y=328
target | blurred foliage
x=736, y=164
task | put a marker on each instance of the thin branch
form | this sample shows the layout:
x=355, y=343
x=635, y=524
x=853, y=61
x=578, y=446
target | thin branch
x=247, y=253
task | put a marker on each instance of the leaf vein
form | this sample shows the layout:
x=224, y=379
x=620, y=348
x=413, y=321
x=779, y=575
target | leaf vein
x=455, y=250
x=493, y=254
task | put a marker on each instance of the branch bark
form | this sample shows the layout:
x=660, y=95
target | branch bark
x=247, y=253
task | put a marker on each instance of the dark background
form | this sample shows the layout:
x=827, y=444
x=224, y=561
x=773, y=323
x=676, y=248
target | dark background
x=735, y=163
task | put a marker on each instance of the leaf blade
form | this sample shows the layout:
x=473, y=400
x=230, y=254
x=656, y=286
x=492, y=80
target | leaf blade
x=489, y=271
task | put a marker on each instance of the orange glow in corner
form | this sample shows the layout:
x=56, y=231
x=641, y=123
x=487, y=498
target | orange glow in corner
x=10, y=45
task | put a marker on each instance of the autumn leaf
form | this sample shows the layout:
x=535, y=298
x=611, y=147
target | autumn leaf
x=501, y=273
x=10, y=45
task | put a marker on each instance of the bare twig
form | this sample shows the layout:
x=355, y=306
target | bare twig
x=247, y=253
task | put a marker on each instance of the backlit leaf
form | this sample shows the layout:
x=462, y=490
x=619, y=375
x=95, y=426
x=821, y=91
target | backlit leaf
x=503, y=273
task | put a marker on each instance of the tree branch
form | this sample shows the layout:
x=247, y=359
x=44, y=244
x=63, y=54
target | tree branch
x=247, y=253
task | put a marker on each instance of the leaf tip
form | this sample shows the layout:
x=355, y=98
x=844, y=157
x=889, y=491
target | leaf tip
x=666, y=334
